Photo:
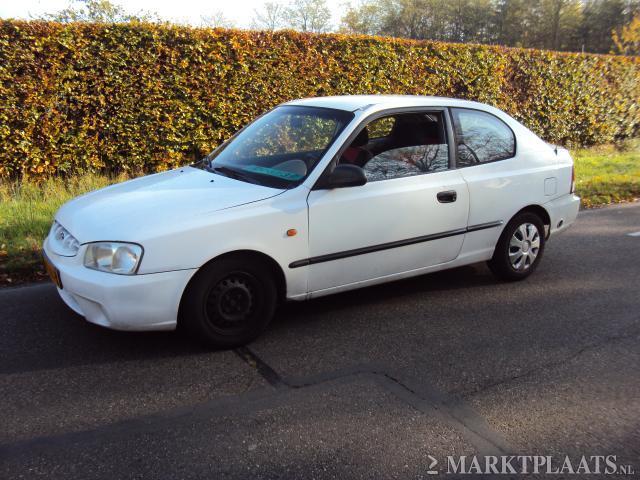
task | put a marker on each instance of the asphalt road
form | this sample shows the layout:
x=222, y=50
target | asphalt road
x=365, y=384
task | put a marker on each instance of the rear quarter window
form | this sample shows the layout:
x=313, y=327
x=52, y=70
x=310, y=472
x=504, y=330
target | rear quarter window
x=481, y=137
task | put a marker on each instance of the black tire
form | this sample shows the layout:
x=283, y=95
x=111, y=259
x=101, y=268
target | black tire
x=501, y=264
x=229, y=302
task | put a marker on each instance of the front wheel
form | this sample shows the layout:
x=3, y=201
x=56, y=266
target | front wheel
x=229, y=302
x=519, y=249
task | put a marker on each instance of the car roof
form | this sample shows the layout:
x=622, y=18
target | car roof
x=352, y=103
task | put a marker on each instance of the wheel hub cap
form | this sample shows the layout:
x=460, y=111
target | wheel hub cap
x=524, y=246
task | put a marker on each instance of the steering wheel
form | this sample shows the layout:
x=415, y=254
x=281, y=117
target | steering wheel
x=309, y=158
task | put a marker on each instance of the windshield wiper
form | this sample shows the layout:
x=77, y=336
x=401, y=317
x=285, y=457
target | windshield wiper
x=258, y=179
x=230, y=172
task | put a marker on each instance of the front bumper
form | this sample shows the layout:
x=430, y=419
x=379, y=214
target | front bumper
x=120, y=302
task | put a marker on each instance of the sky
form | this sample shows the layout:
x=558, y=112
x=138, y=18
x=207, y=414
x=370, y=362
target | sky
x=182, y=11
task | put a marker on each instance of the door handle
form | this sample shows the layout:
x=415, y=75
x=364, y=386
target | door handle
x=449, y=196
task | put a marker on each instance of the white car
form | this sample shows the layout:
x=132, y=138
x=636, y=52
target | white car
x=315, y=197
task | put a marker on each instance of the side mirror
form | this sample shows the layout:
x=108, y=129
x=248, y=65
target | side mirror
x=342, y=176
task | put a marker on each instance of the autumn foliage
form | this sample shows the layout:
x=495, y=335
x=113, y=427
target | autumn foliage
x=627, y=39
x=142, y=97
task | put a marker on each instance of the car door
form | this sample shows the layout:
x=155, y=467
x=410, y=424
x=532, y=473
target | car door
x=411, y=213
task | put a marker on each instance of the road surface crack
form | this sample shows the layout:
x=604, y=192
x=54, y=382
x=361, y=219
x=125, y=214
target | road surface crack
x=424, y=399
x=556, y=363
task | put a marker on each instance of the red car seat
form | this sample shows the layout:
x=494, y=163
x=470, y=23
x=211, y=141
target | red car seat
x=356, y=153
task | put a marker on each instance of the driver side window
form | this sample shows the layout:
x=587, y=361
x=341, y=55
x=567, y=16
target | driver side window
x=481, y=137
x=401, y=145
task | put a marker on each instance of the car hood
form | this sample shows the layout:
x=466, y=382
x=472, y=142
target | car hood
x=132, y=210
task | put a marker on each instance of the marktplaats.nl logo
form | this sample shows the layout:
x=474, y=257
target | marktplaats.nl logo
x=529, y=464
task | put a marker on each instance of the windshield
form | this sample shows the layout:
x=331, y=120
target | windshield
x=280, y=148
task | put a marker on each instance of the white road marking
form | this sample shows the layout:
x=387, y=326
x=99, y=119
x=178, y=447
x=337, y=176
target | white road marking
x=634, y=234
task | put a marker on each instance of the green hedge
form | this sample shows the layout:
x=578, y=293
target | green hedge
x=84, y=97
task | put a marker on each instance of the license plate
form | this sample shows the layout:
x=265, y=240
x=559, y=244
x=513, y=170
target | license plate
x=53, y=272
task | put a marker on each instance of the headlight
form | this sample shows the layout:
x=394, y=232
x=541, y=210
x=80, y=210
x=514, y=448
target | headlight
x=62, y=242
x=113, y=257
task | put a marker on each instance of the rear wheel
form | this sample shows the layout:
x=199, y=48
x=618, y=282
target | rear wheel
x=520, y=248
x=229, y=302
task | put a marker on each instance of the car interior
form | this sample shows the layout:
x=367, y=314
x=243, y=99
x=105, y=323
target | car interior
x=388, y=147
x=397, y=138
